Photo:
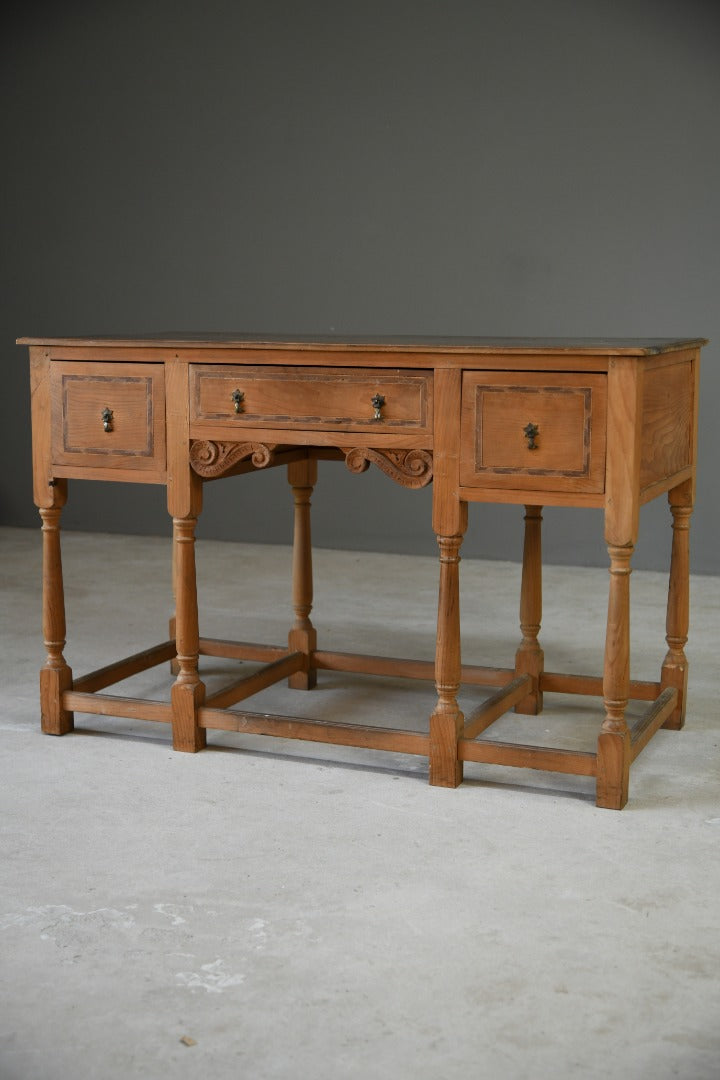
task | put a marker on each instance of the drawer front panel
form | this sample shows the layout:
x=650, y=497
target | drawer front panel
x=108, y=415
x=341, y=399
x=539, y=431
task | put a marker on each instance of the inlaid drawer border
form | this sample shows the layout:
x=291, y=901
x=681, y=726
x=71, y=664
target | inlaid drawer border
x=422, y=381
x=510, y=470
x=108, y=451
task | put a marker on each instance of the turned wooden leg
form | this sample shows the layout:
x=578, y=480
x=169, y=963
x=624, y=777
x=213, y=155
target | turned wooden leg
x=302, y=476
x=675, y=666
x=55, y=676
x=529, y=658
x=174, y=666
x=188, y=692
x=446, y=722
x=613, y=755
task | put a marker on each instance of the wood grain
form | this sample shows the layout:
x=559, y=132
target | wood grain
x=529, y=658
x=394, y=740
x=667, y=416
x=259, y=680
x=568, y=453
x=56, y=675
x=675, y=668
x=134, y=394
x=497, y=704
x=282, y=397
x=302, y=477
x=594, y=422
x=188, y=691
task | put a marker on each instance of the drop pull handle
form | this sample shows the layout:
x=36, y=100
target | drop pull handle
x=531, y=432
x=377, y=401
x=238, y=398
x=107, y=419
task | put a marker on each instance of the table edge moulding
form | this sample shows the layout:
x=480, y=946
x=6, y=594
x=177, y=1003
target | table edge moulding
x=592, y=422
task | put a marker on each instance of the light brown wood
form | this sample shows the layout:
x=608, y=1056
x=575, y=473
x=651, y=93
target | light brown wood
x=392, y=666
x=174, y=666
x=666, y=484
x=394, y=740
x=681, y=498
x=46, y=492
x=622, y=506
x=495, y=706
x=259, y=680
x=567, y=451
x=624, y=435
x=614, y=754
x=591, y=686
x=241, y=650
x=309, y=398
x=449, y=523
x=667, y=416
x=616, y=678
x=124, y=669
x=449, y=510
x=249, y=462
x=614, y=739
x=112, y=416
x=318, y=438
x=653, y=719
x=519, y=756
x=184, y=487
x=409, y=468
x=188, y=692
x=115, y=474
x=110, y=705
x=56, y=676
x=582, y=423
x=302, y=477
x=446, y=722
x=184, y=493
x=529, y=658
x=521, y=496
x=675, y=665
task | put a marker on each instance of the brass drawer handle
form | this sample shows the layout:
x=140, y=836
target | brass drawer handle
x=531, y=432
x=107, y=419
x=238, y=397
x=377, y=402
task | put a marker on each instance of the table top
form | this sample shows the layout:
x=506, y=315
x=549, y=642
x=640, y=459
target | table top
x=382, y=342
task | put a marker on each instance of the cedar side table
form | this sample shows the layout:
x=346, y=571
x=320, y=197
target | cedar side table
x=596, y=423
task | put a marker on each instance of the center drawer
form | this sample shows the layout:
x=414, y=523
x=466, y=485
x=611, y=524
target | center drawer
x=341, y=399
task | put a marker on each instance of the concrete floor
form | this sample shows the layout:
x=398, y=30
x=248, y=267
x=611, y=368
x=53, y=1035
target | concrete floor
x=308, y=911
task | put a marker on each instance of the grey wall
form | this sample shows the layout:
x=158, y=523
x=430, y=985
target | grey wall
x=511, y=168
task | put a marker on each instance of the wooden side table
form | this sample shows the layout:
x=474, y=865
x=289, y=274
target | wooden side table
x=596, y=423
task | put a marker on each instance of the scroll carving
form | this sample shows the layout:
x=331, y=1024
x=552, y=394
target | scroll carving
x=212, y=459
x=411, y=468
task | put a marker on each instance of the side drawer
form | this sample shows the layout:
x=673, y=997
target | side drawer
x=534, y=431
x=108, y=416
x=344, y=399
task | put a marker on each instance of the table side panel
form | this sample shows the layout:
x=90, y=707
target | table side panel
x=668, y=407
